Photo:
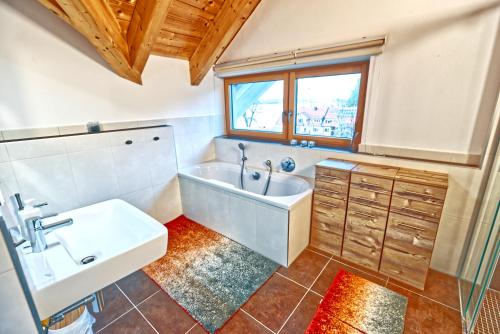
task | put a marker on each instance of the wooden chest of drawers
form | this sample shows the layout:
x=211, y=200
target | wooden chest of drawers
x=416, y=205
x=381, y=217
x=330, y=205
x=369, y=200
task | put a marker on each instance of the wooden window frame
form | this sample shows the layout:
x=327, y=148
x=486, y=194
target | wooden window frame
x=289, y=97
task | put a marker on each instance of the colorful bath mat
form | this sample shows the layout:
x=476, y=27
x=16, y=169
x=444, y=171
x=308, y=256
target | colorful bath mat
x=355, y=305
x=209, y=275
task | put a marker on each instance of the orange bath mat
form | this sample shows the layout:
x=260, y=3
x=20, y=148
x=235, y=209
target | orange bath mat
x=355, y=305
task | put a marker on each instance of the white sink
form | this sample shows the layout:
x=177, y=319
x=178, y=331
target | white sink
x=123, y=238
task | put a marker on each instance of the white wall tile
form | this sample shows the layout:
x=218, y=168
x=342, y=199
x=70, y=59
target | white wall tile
x=29, y=133
x=272, y=232
x=15, y=315
x=4, y=156
x=5, y=261
x=167, y=201
x=87, y=142
x=142, y=199
x=28, y=149
x=218, y=211
x=8, y=177
x=131, y=167
x=243, y=230
x=47, y=179
x=161, y=158
x=119, y=138
x=94, y=173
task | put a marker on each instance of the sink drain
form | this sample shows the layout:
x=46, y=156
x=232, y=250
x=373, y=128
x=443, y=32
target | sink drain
x=88, y=259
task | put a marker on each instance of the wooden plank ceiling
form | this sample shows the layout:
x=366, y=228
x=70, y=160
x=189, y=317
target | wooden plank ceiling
x=126, y=32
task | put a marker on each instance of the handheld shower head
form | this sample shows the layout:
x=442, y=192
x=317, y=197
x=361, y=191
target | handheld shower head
x=241, y=146
x=268, y=163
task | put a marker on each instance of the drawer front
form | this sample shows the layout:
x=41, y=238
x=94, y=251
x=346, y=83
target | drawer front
x=371, y=183
x=329, y=210
x=410, y=235
x=420, y=192
x=333, y=202
x=326, y=241
x=371, y=217
x=323, y=223
x=331, y=189
x=369, y=198
x=364, y=251
x=417, y=209
x=332, y=175
x=405, y=267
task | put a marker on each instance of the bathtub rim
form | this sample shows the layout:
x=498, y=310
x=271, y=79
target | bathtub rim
x=283, y=202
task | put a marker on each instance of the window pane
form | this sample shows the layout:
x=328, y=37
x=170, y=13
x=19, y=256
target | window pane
x=257, y=106
x=327, y=106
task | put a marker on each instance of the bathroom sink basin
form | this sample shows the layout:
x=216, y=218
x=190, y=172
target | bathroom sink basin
x=113, y=237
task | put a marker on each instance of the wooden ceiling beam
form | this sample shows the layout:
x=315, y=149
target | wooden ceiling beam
x=95, y=20
x=227, y=23
x=145, y=25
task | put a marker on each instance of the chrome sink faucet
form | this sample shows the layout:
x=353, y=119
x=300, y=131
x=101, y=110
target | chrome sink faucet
x=36, y=228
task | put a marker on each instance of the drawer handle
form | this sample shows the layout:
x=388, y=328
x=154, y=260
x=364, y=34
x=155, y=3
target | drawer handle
x=422, y=213
x=362, y=199
x=331, y=177
x=399, y=223
x=328, y=204
x=362, y=214
x=329, y=191
x=426, y=193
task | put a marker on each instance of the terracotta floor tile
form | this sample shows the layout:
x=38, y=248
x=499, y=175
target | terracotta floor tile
x=137, y=286
x=303, y=315
x=317, y=250
x=274, y=301
x=165, y=315
x=326, y=278
x=130, y=323
x=425, y=316
x=305, y=268
x=115, y=304
x=241, y=323
x=197, y=330
x=439, y=286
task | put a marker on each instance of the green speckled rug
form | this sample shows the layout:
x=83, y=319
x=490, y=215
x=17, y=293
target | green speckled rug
x=209, y=275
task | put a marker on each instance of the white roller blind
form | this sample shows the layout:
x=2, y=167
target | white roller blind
x=350, y=51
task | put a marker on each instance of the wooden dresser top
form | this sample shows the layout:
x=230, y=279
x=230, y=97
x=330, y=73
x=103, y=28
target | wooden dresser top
x=337, y=164
x=423, y=177
x=388, y=172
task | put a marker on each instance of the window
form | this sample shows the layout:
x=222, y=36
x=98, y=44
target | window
x=324, y=104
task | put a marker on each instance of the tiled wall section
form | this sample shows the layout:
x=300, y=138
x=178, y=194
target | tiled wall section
x=71, y=172
x=464, y=183
x=74, y=171
x=15, y=315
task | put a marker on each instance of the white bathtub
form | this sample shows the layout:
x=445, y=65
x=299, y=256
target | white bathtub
x=276, y=225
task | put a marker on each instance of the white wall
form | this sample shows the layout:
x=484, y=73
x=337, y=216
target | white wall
x=427, y=86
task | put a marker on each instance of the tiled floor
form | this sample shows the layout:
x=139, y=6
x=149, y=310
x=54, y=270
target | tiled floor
x=286, y=303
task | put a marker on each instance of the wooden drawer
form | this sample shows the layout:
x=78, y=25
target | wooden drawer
x=371, y=217
x=363, y=250
x=410, y=235
x=370, y=198
x=332, y=201
x=331, y=189
x=326, y=241
x=372, y=183
x=417, y=209
x=420, y=192
x=334, y=209
x=327, y=224
x=332, y=175
x=405, y=267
